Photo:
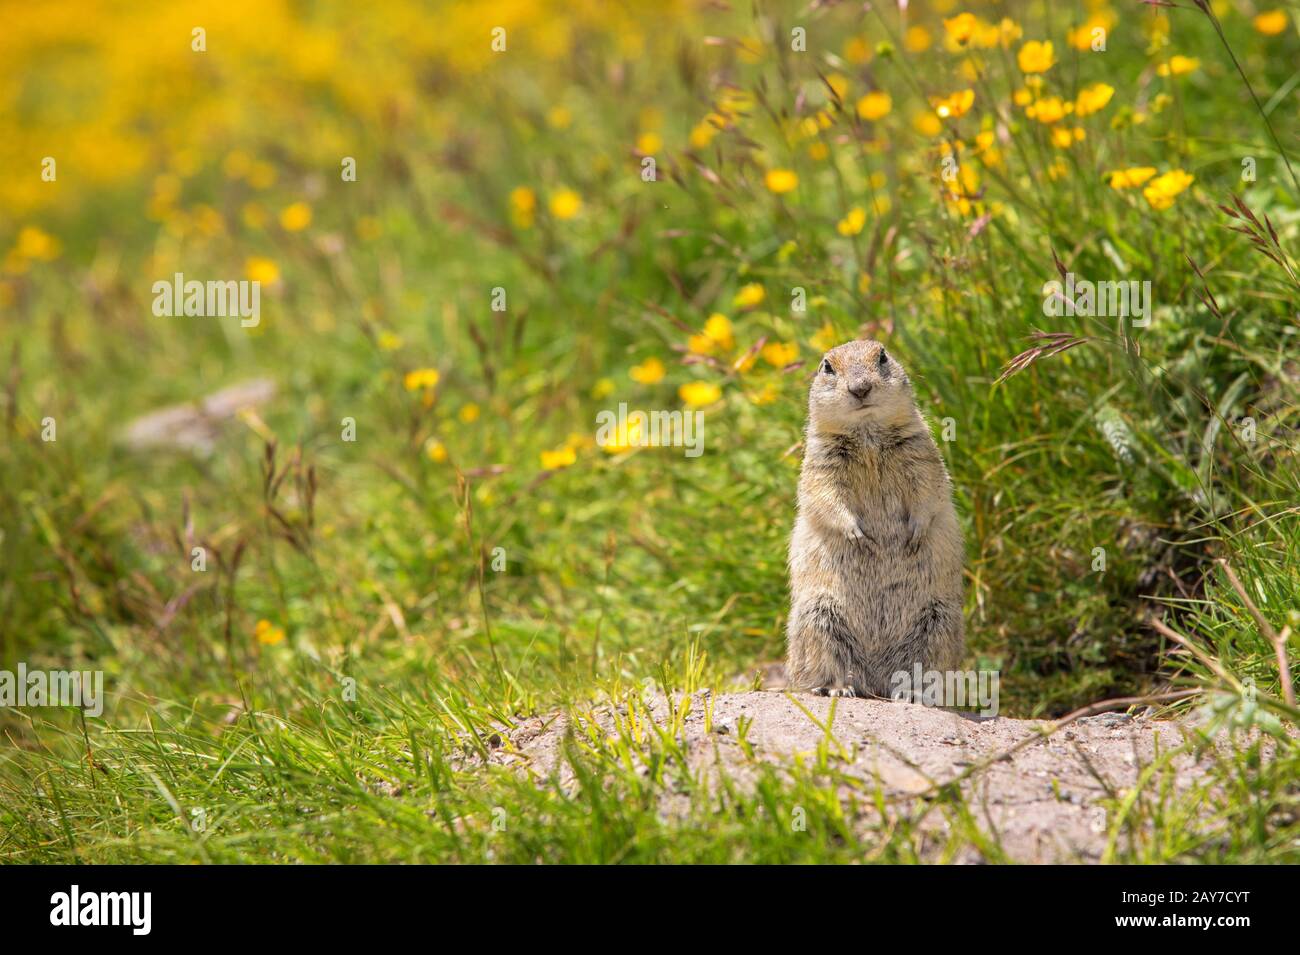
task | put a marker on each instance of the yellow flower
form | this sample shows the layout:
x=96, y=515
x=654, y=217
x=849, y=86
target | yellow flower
x=917, y=39
x=267, y=633
x=839, y=84
x=1063, y=137
x=436, y=450
x=389, y=341
x=961, y=28
x=262, y=270
x=780, y=354
x=824, y=339
x=857, y=50
x=1270, y=22
x=296, y=217
x=626, y=436
x=421, y=378
x=926, y=123
x=1178, y=65
x=1161, y=191
x=1093, y=98
x=750, y=295
x=765, y=395
x=647, y=144
x=1049, y=110
x=523, y=206
x=469, y=413
x=649, y=372
x=1036, y=56
x=875, y=105
x=559, y=458
x=702, y=133
x=697, y=394
x=603, y=388
x=955, y=105
x=35, y=243
x=565, y=204
x=1082, y=36
x=781, y=181
x=717, y=328
x=1132, y=177
x=852, y=223
x=559, y=117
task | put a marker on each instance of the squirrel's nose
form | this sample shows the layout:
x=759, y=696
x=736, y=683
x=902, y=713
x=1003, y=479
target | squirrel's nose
x=860, y=389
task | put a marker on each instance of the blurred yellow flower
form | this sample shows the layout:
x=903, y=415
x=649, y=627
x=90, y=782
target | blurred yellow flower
x=261, y=175
x=839, y=84
x=780, y=354
x=627, y=435
x=717, y=327
x=647, y=144
x=559, y=458
x=1093, y=98
x=262, y=270
x=824, y=339
x=36, y=244
x=750, y=295
x=1050, y=110
x=523, y=206
x=603, y=388
x=857, y=50
x=1178, y=65
x=875, y=105
x=852, y=223
x=1083, y=36
x=961, y=28
x=954, y=105
x=649, y=372
x=296, y=217
x=697, y=394
x=559, y=117
x=926, y=123
x=1036, y=56
x=702, y=133
x=1270, y=22
x=436, y=450
x=765, y=395
x=781, y=181
x=1063, y=137
x=389, y=341
x=425, y=378
x=469, y=413
x=565, y=204
x=1161, y=191
x=267, y=633
x=917, y=39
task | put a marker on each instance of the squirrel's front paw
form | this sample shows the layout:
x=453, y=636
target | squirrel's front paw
x=858, y=534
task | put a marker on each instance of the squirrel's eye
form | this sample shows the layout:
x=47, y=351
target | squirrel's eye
x=826, y=367
x=884, y=358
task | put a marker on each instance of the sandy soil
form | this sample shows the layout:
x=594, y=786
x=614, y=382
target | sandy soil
x=1039, y=794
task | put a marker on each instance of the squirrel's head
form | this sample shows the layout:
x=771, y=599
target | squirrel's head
x=856, y=384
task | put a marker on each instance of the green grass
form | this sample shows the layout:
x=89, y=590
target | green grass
x=643, y=566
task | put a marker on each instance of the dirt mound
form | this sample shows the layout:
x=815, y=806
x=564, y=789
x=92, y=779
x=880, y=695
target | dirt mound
x=1039, y=795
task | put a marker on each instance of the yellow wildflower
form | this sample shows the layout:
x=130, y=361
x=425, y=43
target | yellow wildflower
x=917, y=39
x=717, y=328
x=1178, y=65
x=565, y=204
x=1093, y=98
x=296, y=217
x=647, y=144
x=1161, y=191
x=857, y=50
x=262, y=270
x=1049, y=110
x=559, y=458
x=421, y=378
x=523, y=206
x=1132, y=177
x=603, y=388
x=469, y=413
x=875, y=105
x=953, y=106
x=781, y=181
x=389, y=341
x=852, y=223
x=750, y=295
x=1270, y=22
x=697, y=394
x=649, y=372
x=780, y=354
x=961, y=28
x=824, y=339
x=267, y=633
x=1036, y=56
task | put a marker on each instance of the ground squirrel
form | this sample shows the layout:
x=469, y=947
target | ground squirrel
x=876, y=553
